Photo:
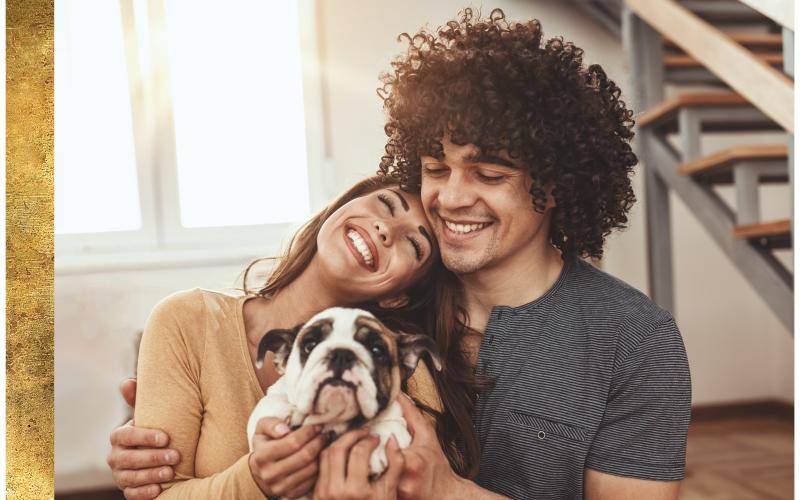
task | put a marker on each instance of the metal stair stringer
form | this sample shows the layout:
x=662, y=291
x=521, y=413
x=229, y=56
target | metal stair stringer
x=771, y=280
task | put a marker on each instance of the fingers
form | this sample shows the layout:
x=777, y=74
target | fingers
x=303, y=489
x=297, y=479
x=272, y=427
x=414, y=419
x=129, y=435
x=291, y=443
x=128, y=390
x=142, y=493
x=143, y=477
x=396, y=463
x=133, y=459
x=305, y=456
x=337, y=454
x=418, y=426
x=358, y=462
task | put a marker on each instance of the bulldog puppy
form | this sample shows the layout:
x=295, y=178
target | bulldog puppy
x=342, y=369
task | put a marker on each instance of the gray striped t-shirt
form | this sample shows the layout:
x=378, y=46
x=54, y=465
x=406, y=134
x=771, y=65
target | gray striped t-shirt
x=592, y=375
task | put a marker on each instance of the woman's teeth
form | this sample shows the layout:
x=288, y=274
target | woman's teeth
x=360, y=245
x=464, y=228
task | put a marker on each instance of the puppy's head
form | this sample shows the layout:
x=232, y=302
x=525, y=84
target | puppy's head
x=343, y=365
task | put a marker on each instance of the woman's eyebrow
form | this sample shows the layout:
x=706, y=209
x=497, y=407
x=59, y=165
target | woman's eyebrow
x=402, y=200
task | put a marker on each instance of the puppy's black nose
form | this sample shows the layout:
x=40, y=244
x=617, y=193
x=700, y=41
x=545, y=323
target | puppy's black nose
x=341, y=360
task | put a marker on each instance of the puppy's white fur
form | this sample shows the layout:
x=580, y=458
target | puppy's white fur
x=292, y=397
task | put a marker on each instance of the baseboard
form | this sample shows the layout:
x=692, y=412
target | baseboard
x=762, y=408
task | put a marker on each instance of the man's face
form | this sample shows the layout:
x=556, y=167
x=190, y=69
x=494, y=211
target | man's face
x=481, y=209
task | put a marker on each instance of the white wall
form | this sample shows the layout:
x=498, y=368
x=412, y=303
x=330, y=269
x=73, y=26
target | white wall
x=97, y=320
x=737, y=348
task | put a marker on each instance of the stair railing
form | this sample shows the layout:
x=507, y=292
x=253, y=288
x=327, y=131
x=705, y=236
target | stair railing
x=643, y=24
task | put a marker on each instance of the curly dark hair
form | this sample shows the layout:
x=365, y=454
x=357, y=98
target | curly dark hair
x=499, y=86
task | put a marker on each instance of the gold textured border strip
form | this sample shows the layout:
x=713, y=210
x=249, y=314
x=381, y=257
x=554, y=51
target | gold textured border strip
x=29, y=249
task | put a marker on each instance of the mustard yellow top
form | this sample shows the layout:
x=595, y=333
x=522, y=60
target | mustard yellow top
x=196, y=383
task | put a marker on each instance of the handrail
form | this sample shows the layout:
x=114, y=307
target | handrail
x=767, y=88
x=780, y=11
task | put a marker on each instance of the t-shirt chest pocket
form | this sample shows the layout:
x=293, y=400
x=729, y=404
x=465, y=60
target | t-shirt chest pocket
x=544, y=429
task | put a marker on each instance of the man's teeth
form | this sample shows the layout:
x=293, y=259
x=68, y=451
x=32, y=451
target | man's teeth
x=361, y=246
x=464, y=228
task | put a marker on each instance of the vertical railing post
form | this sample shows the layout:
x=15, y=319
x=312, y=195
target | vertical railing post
x=645, y=52
x=788, y=67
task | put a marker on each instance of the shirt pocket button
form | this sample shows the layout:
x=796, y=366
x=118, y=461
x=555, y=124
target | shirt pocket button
x=541, y=435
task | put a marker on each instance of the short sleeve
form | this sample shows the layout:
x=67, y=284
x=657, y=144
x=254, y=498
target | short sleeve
x=644, y=428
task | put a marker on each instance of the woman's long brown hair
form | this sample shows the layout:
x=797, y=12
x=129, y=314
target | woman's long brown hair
x=433, y=308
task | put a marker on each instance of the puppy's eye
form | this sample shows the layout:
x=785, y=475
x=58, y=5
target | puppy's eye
x=378, y=351
x=309, y=346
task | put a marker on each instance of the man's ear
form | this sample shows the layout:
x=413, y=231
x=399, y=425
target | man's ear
x=409, y=350
x=279, y=342
x=550, y=201
x=394, y=302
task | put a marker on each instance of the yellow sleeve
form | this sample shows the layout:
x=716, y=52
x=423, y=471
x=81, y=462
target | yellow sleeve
x=168, y=398
x=422, y=387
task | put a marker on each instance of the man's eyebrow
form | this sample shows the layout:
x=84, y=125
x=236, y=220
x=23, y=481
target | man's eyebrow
x=402, y=200
x=427, y=237
x=487, y=158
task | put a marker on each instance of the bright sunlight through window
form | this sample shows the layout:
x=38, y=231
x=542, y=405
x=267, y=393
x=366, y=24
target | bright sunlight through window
x=95, y=169
x=238, y=110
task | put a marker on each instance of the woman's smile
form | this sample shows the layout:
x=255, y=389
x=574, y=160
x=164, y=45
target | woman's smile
x=362, y=247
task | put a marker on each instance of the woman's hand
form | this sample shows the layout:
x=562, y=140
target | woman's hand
x=344, y=469
x=139, y=459
x=284, y=463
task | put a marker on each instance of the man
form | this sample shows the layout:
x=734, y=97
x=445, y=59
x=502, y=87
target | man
x=522, y=158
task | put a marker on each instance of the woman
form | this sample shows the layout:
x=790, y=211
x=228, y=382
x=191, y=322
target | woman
x=197, y=379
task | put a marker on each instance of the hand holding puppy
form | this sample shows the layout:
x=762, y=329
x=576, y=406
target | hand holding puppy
x=345, y=470
x=284, y=463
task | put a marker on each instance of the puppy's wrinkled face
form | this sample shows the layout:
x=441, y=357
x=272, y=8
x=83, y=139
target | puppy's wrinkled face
x=343, y=365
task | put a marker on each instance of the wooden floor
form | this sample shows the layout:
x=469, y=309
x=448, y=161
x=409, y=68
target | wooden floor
x=742, y=458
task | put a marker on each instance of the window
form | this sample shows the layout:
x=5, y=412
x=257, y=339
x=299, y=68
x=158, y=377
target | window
x=184, y=124
x=95, y=174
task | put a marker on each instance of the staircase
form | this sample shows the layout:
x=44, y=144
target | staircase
x=700, y=68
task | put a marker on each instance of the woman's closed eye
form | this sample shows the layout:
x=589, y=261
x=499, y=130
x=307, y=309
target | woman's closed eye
x=388, y=202
x=417, y=247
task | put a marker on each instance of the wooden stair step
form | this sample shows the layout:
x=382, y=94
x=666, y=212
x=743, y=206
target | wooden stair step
x=727, y=157
x=687, y=61
x=773, y=234
x=671, y=106
x=759, y=41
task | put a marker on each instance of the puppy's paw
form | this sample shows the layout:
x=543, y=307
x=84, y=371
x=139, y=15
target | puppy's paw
x=378, y=460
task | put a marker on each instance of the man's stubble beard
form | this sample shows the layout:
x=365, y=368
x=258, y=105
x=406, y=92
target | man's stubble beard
x=463, y=262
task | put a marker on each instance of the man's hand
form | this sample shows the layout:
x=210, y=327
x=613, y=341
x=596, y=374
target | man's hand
x=139, y=459
x=427, y=473
x=284, y=463
x=344, y=469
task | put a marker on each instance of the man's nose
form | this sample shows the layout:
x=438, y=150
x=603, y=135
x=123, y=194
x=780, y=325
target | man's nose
x=456, y=192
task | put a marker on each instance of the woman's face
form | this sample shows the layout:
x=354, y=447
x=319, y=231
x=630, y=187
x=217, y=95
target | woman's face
x=376, y=246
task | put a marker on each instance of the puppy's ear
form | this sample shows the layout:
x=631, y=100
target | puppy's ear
x=279, y=342
x=410, y=348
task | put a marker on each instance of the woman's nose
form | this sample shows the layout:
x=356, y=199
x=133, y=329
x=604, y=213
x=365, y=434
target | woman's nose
x=384, y=233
